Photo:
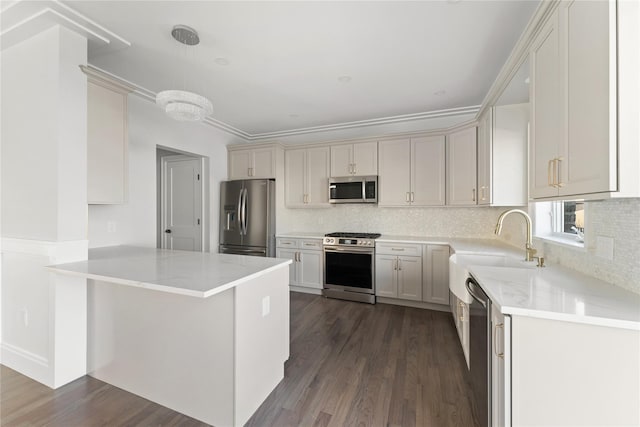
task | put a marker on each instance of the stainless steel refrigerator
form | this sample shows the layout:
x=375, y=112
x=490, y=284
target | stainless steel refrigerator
x=247, y=217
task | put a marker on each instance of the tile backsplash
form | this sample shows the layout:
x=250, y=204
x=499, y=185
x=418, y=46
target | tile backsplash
x=607, y=223
x=437, y=222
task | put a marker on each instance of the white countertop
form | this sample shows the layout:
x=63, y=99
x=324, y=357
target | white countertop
x=197, y=274
x=558, y=293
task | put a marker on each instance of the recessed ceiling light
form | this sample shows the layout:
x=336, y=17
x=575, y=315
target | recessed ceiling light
x=344, y=79
x=440, y=92
x=222, y=61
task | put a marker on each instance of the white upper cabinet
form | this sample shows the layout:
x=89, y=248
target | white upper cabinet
x=354, y=159
x=575, y=149
x=107, y=142
x=412, y=172
x=502, y=155
x=461, y=168
x=307, y=177
x=253, y=163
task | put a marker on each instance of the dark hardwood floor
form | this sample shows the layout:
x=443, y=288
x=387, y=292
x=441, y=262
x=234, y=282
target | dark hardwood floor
x=351, y=364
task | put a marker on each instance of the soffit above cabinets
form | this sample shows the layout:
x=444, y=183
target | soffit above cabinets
x=274, y=67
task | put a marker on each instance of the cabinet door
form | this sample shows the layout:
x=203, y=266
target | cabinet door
x=386, y=276
x=294, y=181
x=292, y=255
x=341, y=160
x=107, y=145
x=508, y=180
x=485, y=128
x=317, y=176
x=264, y=163
x=428, y=171
x=588, y=157
x=310, y=267
x=394, y=174
x=239, y=164
x=546, y=111
x=410, y=278
x=436, y=274
x=365, y=158
x=500, y=378
x=461, y=167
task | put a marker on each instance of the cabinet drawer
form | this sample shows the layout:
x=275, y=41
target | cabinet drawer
x=400, y=249
x=310, y=244
x=286, y=243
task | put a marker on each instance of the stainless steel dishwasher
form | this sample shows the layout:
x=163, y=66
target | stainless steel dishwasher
x=479, y=348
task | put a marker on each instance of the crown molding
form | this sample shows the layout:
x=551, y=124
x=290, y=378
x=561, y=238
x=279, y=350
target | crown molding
x=23, y=19
x=519, y=54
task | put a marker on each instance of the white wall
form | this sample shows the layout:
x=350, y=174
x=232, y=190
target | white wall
x=149, y=126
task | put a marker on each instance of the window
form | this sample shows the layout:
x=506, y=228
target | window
x=560, y=221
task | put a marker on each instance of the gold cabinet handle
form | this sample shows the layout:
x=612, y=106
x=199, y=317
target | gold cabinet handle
x=558, y=182
x=406, y=197
x=399, y=264
x=461, y=305
x=555, y=173
x=495, y=340
x=412, y=196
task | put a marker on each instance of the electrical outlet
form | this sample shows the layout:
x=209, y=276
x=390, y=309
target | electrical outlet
x=111, y=226
x=266, y=306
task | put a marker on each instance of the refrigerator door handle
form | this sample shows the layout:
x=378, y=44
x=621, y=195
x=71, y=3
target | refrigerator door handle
x=239, y=214
x=244, y=211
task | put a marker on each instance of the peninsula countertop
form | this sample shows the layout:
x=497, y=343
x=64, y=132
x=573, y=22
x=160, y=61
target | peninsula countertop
x=196, y=274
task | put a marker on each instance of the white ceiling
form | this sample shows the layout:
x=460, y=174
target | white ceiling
x=285, y=58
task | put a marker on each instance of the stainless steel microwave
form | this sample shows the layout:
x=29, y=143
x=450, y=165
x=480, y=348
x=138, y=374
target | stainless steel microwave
x=353, y=189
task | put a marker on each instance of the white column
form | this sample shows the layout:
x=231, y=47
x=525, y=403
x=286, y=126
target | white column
x=43, y=205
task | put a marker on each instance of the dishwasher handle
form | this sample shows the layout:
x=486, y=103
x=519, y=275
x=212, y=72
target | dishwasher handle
x=470, y=284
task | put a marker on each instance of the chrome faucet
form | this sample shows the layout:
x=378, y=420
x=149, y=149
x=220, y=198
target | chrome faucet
x=529, y=250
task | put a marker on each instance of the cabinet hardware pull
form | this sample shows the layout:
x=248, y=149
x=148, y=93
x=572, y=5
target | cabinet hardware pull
x=412, y=196
x=461, y=305
x=558, y=182
x=397, y=249
x=395, y=264
x=473, y=197
x=549, y=183
x=406, y=197
x=495, y=340
x=482, y=193
x=399, y=261
x=555, y=173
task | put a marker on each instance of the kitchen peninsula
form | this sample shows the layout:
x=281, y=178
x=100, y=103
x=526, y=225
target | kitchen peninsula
x=203, y=334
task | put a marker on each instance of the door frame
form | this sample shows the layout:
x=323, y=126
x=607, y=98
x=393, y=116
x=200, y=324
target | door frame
x=163, y=154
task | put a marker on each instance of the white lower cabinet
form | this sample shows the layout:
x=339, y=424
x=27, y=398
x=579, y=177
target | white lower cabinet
x=435, y=274
x=500, y=368
x=399, y=271
x=460, y=312
x=306, y=270
x=554, y=372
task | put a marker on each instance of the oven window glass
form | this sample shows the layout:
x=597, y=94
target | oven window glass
x=349, y=269
x=347, y=190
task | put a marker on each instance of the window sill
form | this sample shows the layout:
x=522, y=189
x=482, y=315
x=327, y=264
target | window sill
x=570, y=242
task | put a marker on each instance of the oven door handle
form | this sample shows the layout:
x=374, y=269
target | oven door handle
x=352, y=250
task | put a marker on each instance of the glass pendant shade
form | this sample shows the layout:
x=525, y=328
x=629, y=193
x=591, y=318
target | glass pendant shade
x=184, y=106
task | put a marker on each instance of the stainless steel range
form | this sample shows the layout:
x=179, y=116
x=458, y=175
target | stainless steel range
x=349, y=266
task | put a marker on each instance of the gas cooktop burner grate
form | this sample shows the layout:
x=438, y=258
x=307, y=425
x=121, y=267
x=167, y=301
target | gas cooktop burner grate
x=354, y=235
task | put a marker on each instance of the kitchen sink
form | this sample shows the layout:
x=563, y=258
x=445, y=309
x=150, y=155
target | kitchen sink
x=458, y=269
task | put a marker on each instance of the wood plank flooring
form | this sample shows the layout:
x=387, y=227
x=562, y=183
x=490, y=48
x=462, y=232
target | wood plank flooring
x=351, y=364
x=355, y=364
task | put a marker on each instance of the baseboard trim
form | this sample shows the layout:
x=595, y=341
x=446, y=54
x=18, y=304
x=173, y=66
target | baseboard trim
x=27, y=363
x=304, y=290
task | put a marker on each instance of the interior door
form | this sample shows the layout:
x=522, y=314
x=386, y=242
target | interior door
x=182, y=203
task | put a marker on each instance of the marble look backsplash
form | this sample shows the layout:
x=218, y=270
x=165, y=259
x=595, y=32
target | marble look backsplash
x=618, y=220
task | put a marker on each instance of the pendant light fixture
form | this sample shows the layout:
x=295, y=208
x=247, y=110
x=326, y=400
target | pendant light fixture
x=180, y=104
